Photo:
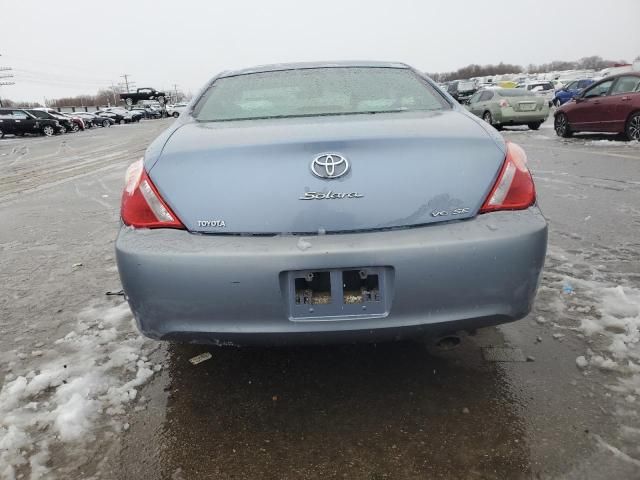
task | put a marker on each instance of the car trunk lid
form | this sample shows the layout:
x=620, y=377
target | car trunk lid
x=255, y=177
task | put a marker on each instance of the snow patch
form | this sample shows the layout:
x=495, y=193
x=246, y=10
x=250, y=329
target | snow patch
x=303, y=244
x=611, y=143
x=85, y=380
x=613, y=321
x=616, y=452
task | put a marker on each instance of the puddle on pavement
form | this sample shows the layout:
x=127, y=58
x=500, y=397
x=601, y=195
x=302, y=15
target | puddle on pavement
x=502, y=354
x=365, y=411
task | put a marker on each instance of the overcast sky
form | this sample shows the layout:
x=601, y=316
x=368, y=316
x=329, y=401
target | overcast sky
x=70, y=47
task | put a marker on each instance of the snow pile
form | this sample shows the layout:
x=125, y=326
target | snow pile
x=79, y=382
x=618, y=325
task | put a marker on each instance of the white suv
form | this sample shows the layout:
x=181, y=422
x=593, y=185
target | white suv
x=176, y=109
x=541, y=88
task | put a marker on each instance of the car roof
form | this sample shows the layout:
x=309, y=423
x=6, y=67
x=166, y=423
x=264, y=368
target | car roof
x=624, y=74
x=535, y=82
x=308, y=65
x=618, y=75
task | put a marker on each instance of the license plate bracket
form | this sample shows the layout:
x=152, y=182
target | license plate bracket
x=338, y=294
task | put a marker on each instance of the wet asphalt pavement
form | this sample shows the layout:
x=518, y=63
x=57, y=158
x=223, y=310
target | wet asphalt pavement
x=388, y=411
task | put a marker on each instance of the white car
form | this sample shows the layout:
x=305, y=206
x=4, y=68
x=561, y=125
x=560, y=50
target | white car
x=176, y=109
x=542, y=88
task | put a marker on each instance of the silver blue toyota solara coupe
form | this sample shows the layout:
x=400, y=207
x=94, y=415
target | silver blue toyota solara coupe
x=327, y=202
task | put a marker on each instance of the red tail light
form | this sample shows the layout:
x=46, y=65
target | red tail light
x=504, y=103
x=142, y=206
x=514, y=188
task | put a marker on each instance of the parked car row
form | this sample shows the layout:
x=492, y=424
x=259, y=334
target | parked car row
x=463, y=90
x=610, y=105
x=47, y=121
x=17, y=121
x=121, y=115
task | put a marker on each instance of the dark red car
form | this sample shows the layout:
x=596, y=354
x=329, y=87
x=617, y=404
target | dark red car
x=610, y=105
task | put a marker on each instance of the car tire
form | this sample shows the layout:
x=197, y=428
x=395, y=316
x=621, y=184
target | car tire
x=556, y=103
x=75, y=128
x=175, y=114
x=487, y=117
x=63, y=129
x=534, y=126
x=632, y=129
x=106, y=123
x=561, y=126
x=1, y=134
x=122, y=122
x=48, y=131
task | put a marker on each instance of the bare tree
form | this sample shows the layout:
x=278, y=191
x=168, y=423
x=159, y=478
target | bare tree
x=477, y=71
x=18, y=104
x=593, y=62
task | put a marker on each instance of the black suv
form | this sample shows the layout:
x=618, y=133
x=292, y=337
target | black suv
x=17, y=121
x=66, y=124
x=462, y=90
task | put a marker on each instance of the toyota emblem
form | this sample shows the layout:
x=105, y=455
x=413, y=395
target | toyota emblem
x=329, y=165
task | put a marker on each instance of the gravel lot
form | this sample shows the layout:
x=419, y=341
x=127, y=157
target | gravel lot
x=556, y=395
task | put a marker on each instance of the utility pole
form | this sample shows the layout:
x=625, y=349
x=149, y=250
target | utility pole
x=175, y=89
x=126, y=80
x=5, y=75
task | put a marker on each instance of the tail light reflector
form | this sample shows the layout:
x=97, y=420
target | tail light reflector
x=142, y=206
x=504, y=103
x=514, y=188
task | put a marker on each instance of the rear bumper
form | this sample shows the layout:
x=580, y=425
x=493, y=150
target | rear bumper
x=217, y=289
x=508, y=116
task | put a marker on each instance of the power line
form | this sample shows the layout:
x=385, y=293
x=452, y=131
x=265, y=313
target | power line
x=39, y=62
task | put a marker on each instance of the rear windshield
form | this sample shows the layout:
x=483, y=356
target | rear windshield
x=513, y=92
x=463, y=86
x=317, y=91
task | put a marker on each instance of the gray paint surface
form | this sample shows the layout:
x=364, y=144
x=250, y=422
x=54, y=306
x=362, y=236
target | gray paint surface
x=219, y=288
x=410, y=169
x=251, y=174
